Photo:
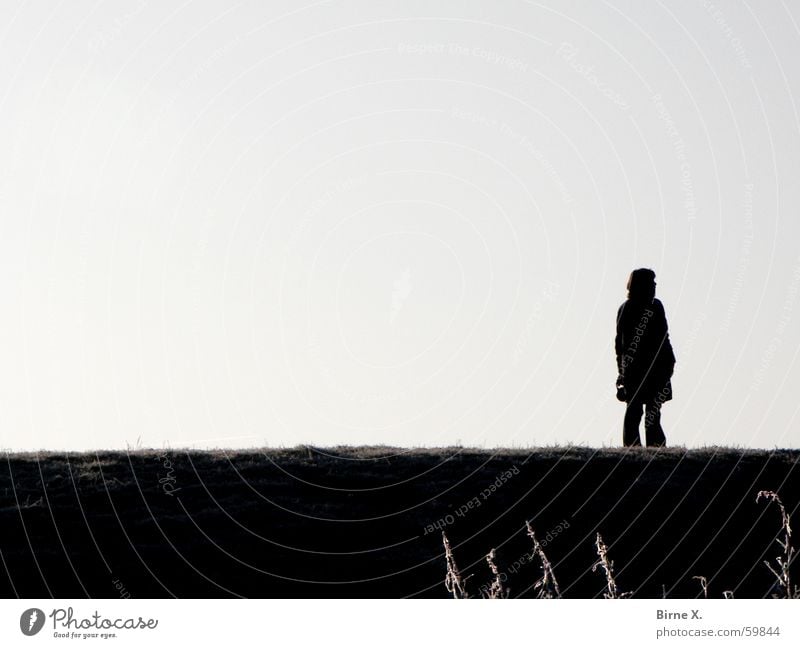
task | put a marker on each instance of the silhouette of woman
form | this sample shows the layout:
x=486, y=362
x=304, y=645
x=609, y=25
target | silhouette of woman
x=645, y=360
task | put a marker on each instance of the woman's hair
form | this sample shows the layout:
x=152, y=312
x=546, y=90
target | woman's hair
x=642, y=285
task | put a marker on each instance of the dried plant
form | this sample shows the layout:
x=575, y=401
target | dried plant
x=608, y=567
x=547, y=585
x=703, y=584
x=38, y=503
x=496, y=590
x=452, y=580
x=782, y=574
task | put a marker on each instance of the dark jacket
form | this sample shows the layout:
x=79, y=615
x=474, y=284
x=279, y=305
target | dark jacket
x=645, y=359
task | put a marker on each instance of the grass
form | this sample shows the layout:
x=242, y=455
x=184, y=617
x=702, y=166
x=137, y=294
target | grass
x=547, y=585
x=607, y=566
x=784, y=562
x=368, y=521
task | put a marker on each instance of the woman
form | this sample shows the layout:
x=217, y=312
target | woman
x=645, y=360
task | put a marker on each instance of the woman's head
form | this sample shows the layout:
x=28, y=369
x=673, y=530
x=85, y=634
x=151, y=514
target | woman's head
x=642, y=285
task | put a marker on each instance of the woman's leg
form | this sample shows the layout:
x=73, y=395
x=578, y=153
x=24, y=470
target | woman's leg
x=653, y=432
x=630, y=428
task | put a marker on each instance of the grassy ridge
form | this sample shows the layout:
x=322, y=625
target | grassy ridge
x=367, y=521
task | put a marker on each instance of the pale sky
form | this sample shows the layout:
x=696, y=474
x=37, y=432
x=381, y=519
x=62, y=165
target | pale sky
x=404, y=223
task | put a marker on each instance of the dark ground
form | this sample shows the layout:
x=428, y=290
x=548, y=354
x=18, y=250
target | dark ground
x=356, y=522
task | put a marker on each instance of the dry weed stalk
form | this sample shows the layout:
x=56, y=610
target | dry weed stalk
x=608, y=567
x=452, y=580
x=547, y=585
x=782, y=574
x=496, y=590
x=38, y=503
x=703, y=584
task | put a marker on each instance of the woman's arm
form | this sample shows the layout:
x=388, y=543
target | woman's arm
x=619, y=340
x=666, y=352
